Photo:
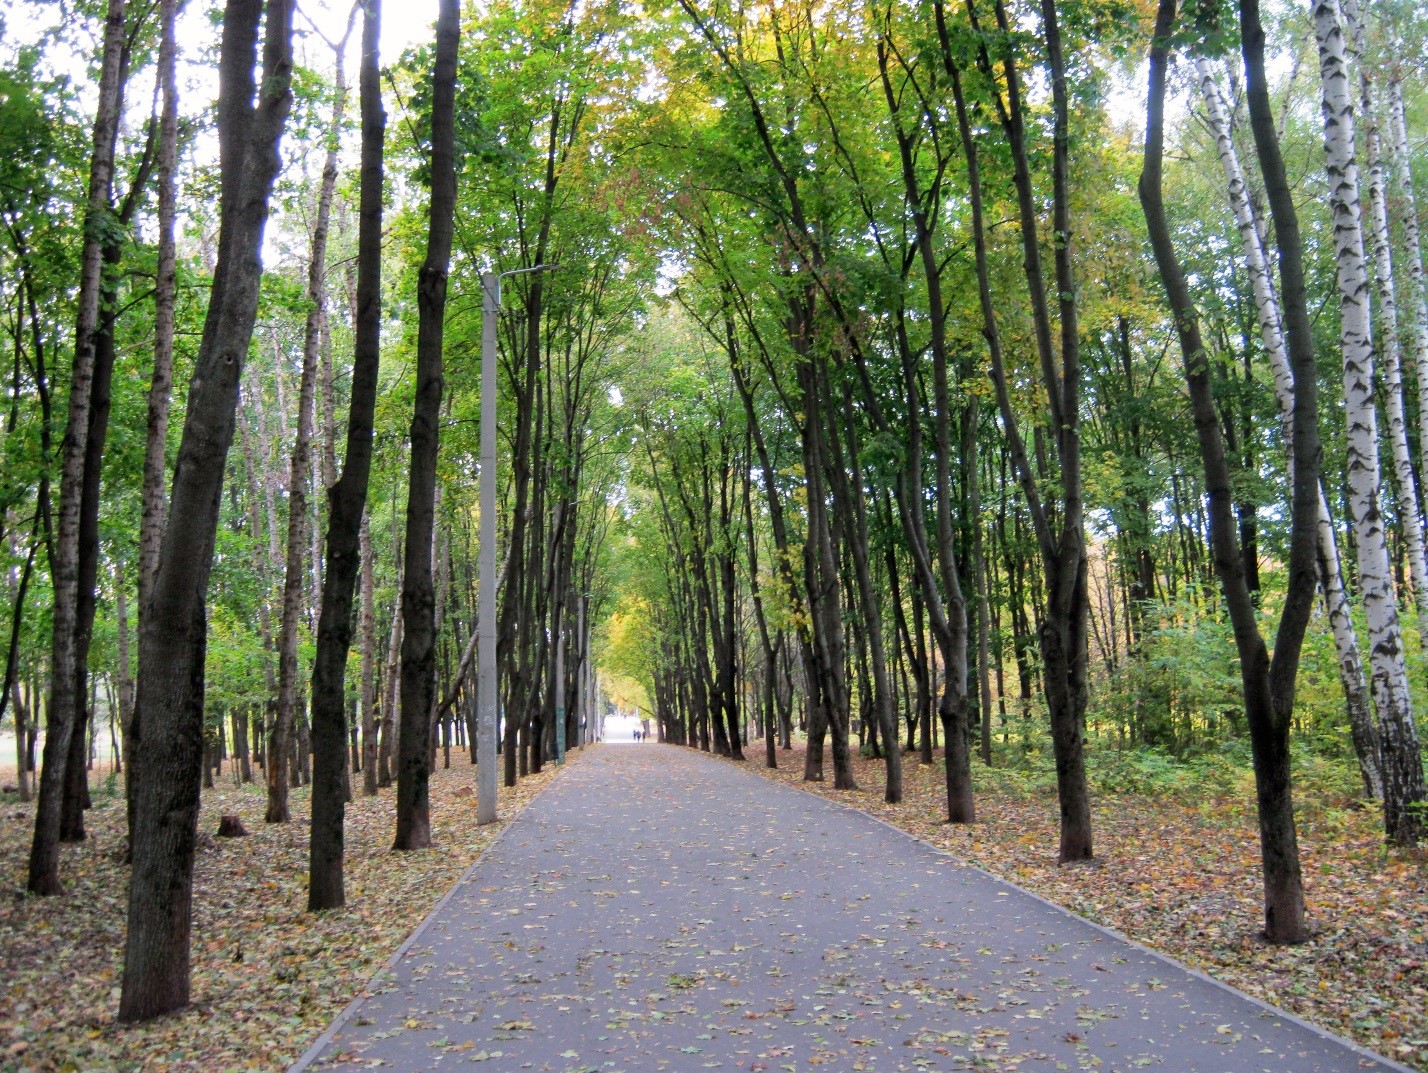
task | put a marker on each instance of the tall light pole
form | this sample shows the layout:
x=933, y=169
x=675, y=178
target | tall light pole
x=560, y=691
x=486, y=622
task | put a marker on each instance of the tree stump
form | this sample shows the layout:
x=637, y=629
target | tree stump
x=231, y=826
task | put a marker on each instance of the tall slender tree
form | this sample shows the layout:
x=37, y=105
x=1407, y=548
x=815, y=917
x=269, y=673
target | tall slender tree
x=1059, y=535
x=1403, y=783
x=1267, y=682
x=65, y=702
x=168, y=717
x=347, y=500
x=300, y=471
x=1266, y=300
x=418, y=669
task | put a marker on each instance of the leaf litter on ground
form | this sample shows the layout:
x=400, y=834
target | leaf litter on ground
x=268, y=976
x=1180, y=873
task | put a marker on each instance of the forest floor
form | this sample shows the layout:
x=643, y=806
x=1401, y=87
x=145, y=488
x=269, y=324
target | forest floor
x=1181, y=875
x=268, y=976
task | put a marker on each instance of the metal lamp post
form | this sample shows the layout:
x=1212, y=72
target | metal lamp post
x=486, y=641
x=560, y=692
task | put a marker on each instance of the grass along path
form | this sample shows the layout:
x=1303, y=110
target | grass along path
x=268, y=976
x=1182, y=877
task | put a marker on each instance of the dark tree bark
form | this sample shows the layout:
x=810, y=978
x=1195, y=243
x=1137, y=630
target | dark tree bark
x=418, y=682
x=1061, y=540
x=830, y=714
x=770, y=652
x=850, y=497
x=387, y=751
x=168, y=718
x=11, y=686
x=949, y=621
x=241, y=746
x=346, y=503
x=777, y=522
x=727, y=628
x=1268, y=684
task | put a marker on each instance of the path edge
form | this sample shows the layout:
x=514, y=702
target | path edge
x=1268, y=1007
x=365, y=992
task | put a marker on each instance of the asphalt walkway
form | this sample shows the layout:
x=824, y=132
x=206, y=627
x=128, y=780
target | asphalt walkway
x=658, y=910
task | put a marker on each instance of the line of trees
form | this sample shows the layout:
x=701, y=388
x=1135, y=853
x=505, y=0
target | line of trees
x=228, y=588
x=854, y=408
x=915, y=419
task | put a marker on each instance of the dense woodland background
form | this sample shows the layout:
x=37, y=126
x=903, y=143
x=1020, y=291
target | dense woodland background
x=855, y=410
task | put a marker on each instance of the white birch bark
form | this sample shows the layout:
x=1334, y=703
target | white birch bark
x=1412, y=253
x=65, y=702
x=1387, y=323
x=1331, y=578
x=1402, y=764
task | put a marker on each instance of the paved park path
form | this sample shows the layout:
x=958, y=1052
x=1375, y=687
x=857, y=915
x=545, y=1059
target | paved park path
x=658, y=910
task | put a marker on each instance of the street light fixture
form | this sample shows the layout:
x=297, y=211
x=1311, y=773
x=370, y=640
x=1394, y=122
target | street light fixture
x=486, y=623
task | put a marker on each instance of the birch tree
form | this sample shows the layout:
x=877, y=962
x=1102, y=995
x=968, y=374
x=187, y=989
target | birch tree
x=66, y=700
x=1413, y=248
x=1266, y=300
x=1402, y=760
x=1386, y=322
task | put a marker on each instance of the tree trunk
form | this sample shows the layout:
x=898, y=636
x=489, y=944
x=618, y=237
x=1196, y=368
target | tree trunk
x=1063, y=626
x=848, y=495
x=1267, y=713
x=418, y=672
x=949, y=623
x=347, y=498
x=22, y=738
x=821, y=572
x=241, y=745
x=1402, y=760
x=1409, y=511
x=1413, y=248
x=168, y=718
x=10, y=689
x=76, y=795
x=979, y=582
x=389, y=723
x=65, y=704
x=124, y=685
x=300, y=477
x=151, y=524
x=1351, y=670
x=369, y=646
